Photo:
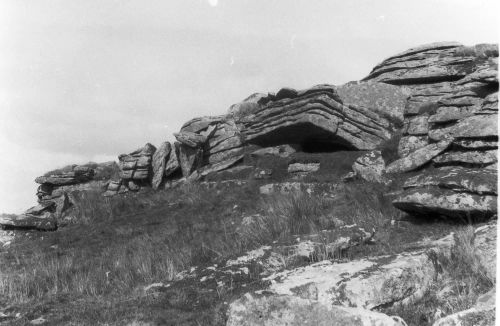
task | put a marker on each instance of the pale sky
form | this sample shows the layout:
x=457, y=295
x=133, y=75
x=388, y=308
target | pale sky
x=90, y=79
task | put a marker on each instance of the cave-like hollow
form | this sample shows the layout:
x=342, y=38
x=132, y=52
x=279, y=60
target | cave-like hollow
x=306, y=137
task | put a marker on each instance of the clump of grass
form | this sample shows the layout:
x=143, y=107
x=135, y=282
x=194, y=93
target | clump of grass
x=282, y=216
x=285, y=215
x=463, y=280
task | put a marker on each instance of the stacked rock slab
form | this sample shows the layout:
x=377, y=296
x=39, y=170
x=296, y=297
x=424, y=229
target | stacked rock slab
x=56, y=194
x=450, y=120
x=136, y=168
x=316, y=115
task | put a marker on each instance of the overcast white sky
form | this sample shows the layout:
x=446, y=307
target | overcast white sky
x=90, y=79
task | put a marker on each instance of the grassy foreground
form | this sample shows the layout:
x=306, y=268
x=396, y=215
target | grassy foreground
x=92, y=272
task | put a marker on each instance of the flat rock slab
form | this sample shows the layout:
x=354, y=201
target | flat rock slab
x=281, y=151
x=297, y=187
x=447, y=203
x=303, y=168
x=467, y=158
x=419, y=157
x=366, y=283
x=285, y=310
x=46, y=222
x=479, y=181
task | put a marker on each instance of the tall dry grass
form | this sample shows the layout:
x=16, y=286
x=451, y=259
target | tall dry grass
x=117, y=269
x=115, y=244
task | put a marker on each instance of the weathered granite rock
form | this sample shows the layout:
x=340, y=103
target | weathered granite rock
x=477, y=158
x=190, y=139
x=43, y=222
x=159, y=163
x=172, y=165
x=436, y=62
x=295, y=187
x=409, y=144
x=41, y=207
x=371, y=167
x=449, y=114
x=315, y=117
x=474, y=127
x=190, y=159
x=419, y=157
x=137, y=165
x=280, y=150
x=453, y=192
x=216, y=167
x=223, y=138
x=447, y=203
x=286, y=310
x=479, y=181
x=69, y=175
x=366, y=283
x=475, y=144
x=303, y=168
x=418, y=126
x=247, y=106
x=387, y=100
x=285, y=93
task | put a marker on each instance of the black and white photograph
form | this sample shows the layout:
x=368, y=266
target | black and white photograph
x=248, y=162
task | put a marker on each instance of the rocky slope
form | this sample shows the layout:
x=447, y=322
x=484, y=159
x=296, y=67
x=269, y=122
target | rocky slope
x=424, y=122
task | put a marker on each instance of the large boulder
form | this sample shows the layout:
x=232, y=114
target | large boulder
x=453, y=192
x=222, y=138
x=371, y=167
x=159, y=163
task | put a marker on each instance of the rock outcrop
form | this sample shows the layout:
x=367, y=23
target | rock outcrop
x=136, y=166
x=55, y=194
x=450, y=119
x=316, y=117
x=442, y=98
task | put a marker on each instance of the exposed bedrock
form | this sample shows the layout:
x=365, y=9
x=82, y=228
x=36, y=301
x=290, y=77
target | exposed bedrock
x=450, y=120
x=316, y=120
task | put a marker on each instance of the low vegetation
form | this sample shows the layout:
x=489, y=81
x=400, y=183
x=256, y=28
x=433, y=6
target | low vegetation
x=467, y=280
